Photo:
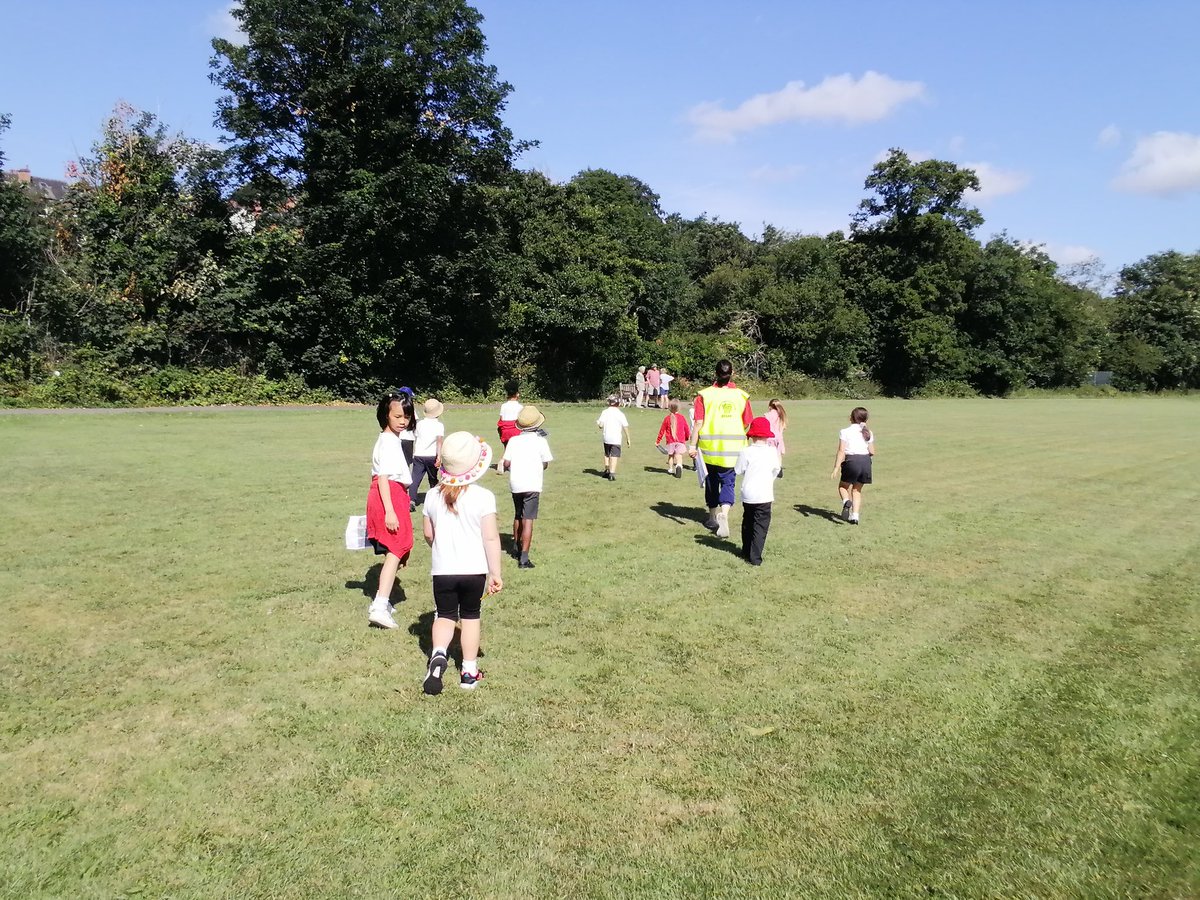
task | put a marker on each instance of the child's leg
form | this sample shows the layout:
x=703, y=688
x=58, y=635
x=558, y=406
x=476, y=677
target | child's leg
x=760, y=513
x=471, y=631
x=844, y=490
x=856, y=498
x=747, y=529
x=612, y=464
x=526, y=535
x=443, y=634
x=387, y=576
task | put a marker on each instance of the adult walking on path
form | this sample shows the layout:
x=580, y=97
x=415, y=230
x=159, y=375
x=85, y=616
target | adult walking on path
x=639, y=381
x=722, y=415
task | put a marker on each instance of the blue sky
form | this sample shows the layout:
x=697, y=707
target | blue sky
x=1082, y=119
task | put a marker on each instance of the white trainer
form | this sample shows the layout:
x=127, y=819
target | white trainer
x=722, y=525
x=380, y=616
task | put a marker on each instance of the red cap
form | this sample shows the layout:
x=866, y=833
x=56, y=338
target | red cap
x=760, y=428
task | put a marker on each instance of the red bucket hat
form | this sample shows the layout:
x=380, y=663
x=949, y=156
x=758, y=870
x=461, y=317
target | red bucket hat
x=760, y=428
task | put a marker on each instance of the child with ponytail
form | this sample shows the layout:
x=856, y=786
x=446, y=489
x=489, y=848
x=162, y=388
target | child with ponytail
x=856, y=449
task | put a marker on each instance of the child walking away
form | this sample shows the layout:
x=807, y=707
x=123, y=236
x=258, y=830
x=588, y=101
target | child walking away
x=407, y=436
x=506, y=425
x=460, y=525
x=526, y=457
x=675, y=432
x=777, y=418
x=389, y=527
x=612, y=423
x=427, y=446
x=758, y=464
x=856, y=449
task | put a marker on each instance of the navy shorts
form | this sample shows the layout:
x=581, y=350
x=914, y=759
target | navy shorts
x=525, y=505
x=857, y=469
x=612, y=449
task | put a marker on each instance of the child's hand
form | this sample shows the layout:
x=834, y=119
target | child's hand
x=495, y=584
x=391, y=522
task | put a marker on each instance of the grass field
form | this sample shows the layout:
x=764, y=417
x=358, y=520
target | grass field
x=991, y=687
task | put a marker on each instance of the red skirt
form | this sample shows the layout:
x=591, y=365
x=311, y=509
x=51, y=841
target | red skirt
x=507, y=429
x=400, y=542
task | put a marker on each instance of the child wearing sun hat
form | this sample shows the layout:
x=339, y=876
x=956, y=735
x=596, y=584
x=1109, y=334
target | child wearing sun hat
x=459, y=522
x=526, y=457
x=427, y=445
x=758, y=464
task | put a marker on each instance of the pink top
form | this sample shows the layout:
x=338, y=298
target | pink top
x=777, y=441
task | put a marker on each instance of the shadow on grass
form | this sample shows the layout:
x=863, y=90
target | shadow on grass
x=370, y=584
x=599, y=472
x=808, y=511
x=716, y=543
x=679, y=514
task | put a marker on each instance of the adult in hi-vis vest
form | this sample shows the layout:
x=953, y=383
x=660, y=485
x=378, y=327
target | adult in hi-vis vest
x=722, y=414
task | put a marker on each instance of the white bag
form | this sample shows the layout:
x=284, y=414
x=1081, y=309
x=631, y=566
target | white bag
x=356, y=533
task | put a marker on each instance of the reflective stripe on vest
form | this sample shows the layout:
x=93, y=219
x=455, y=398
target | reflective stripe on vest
x=723, y=434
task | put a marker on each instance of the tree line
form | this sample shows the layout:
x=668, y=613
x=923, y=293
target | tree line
x=367, y=225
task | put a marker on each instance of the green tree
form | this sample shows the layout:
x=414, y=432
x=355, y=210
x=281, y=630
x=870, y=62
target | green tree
x=912, y=254
x=139, y=241
x=1025, y=326
x=381, y=119
x=24, y=240
x=1156, y=327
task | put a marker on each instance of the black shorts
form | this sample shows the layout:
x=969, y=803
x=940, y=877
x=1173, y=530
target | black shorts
x=857, y=469
x=525, y=505
x=458, y=596
x=612, y=449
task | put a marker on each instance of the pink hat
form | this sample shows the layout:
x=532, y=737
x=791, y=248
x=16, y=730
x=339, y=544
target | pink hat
x=760, y=428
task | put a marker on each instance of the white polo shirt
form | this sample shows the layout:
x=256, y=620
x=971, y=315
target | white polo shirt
x=527, y=454
x=427, y=433
x=387, y=459
x=758, y=464
x=458, y=536
x=856, y=444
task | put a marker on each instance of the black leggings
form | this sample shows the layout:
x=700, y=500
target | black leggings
x=458, y=596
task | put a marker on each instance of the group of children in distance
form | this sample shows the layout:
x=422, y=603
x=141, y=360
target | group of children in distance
x=459, y=518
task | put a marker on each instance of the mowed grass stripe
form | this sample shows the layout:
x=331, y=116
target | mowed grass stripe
x=880, y=710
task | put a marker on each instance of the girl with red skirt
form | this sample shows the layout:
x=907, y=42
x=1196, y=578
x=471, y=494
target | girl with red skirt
x=389, y=523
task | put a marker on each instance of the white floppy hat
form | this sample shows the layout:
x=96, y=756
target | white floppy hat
x=433, y=407
x=465, y=457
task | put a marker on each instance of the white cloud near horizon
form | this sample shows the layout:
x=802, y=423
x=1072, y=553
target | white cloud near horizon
x=1108, y=136
x=839, y=98
x=996, y=182
x=1165, y=163
x=1070, y=254
x=223, y=25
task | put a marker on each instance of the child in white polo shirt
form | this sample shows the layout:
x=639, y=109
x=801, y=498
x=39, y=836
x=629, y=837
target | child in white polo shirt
x=427, y=446
x=612, y=424
x=758, y=464
x=526, y=457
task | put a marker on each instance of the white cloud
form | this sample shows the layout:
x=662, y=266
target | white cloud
x=996, y=182
x=1108, y=136
x=777, y=174
x=222, y=24
x=839, y=98
x=1070, y=254
x=1166, y=162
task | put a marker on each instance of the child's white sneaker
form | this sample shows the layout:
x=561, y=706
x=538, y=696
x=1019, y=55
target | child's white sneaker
x=379, y=615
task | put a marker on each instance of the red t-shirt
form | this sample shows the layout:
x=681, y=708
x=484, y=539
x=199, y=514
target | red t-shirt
x=698, y=408
x=682, y=432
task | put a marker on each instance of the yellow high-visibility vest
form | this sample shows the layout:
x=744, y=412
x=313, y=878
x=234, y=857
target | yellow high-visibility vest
x=722, y=435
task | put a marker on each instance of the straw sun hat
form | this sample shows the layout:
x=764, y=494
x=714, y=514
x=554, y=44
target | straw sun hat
x=465, y=457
